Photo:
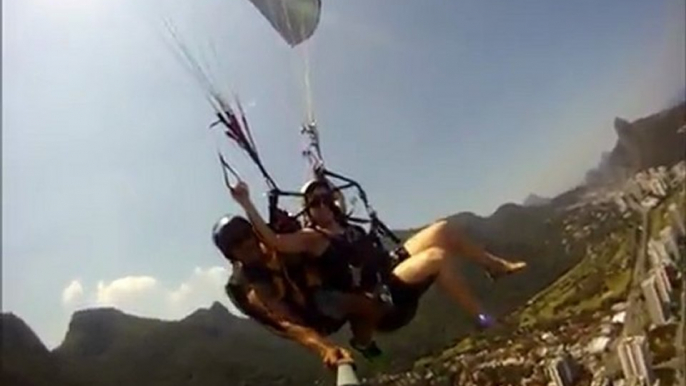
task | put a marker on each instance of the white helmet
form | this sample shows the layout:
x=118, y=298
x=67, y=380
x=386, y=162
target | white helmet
x=315, y=183
x=311, y=185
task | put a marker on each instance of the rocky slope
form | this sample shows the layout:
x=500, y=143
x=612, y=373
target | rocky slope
x=209, y=347
x=579, y=317
x=645, y=143
x=25, y=360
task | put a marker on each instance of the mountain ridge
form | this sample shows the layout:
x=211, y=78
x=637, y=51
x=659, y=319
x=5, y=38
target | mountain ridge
x=211, y=346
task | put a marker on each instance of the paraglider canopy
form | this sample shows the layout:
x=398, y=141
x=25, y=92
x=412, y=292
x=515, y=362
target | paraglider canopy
x=294, y=20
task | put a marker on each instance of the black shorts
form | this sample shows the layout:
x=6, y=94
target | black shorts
x=405, y=303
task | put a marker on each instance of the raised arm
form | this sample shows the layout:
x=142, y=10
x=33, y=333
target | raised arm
x=297, y=242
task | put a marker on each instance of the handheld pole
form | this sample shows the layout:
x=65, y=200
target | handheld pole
x=346, y=375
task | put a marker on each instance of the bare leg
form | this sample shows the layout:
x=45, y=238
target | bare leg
x=430, y=251
x=454, y=242
x=453, y=284
x=433, y=262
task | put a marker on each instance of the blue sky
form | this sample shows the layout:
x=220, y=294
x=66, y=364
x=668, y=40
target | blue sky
x=110, y=179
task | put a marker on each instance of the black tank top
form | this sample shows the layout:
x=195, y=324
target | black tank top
x=352, y=260
x=334, y=265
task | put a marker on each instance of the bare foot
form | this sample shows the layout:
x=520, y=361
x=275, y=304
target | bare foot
x=507, y=268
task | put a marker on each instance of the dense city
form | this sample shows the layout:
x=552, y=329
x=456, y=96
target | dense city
x=632, y=334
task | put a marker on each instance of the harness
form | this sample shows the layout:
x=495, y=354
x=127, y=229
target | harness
x=378, y=262
x=285, y=289
x=352, y=262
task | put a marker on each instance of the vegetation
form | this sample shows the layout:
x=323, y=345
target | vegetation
x=661, y=343
x=579, y=253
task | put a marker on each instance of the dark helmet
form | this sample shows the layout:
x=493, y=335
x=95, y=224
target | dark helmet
x=230, y=231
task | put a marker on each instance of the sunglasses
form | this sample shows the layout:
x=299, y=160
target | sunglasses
x=320, y=200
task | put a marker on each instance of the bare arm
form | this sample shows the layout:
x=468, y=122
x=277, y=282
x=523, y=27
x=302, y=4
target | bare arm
x=285, y=323
x=296, y=242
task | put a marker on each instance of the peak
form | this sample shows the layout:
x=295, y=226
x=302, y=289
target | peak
x=463, y=217
x=93, y=331
x=103, y=312
x=621, y=123
x=535, y=200
x=17, y=335
x=507, y=208
x=107, y=315
x=219, y=309
x=215, y=313
x=9, y=318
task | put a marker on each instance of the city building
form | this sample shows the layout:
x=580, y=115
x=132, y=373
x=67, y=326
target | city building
x=635, y=204
x=633, y=190
x=621, y=203
x=664, y=287
x=678, y=173
x=668, y=237
x=657, y=253
x=650, y=202
x=563, y=370
x=625, y=360
x=654, y=304
x=677, y=219
x=635, y=360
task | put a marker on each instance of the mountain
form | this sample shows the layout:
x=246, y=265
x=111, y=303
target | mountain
x=209, y=347
x=580, y=316
x=645, y=143
x=552, y=236
x=25, y=360
x=106, y=347
x=535, y=200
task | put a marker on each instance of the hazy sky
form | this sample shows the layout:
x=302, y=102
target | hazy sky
x=110, y=180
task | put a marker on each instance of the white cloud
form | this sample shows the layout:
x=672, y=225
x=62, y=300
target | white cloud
x=147, y=296
x=202, y=288
x=138, y=295
x=72, y=293
x=124, y=289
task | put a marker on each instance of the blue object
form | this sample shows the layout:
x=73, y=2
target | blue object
x=485, y=321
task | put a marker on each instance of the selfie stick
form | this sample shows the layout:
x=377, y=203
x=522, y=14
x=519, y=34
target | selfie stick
x=346, y=375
